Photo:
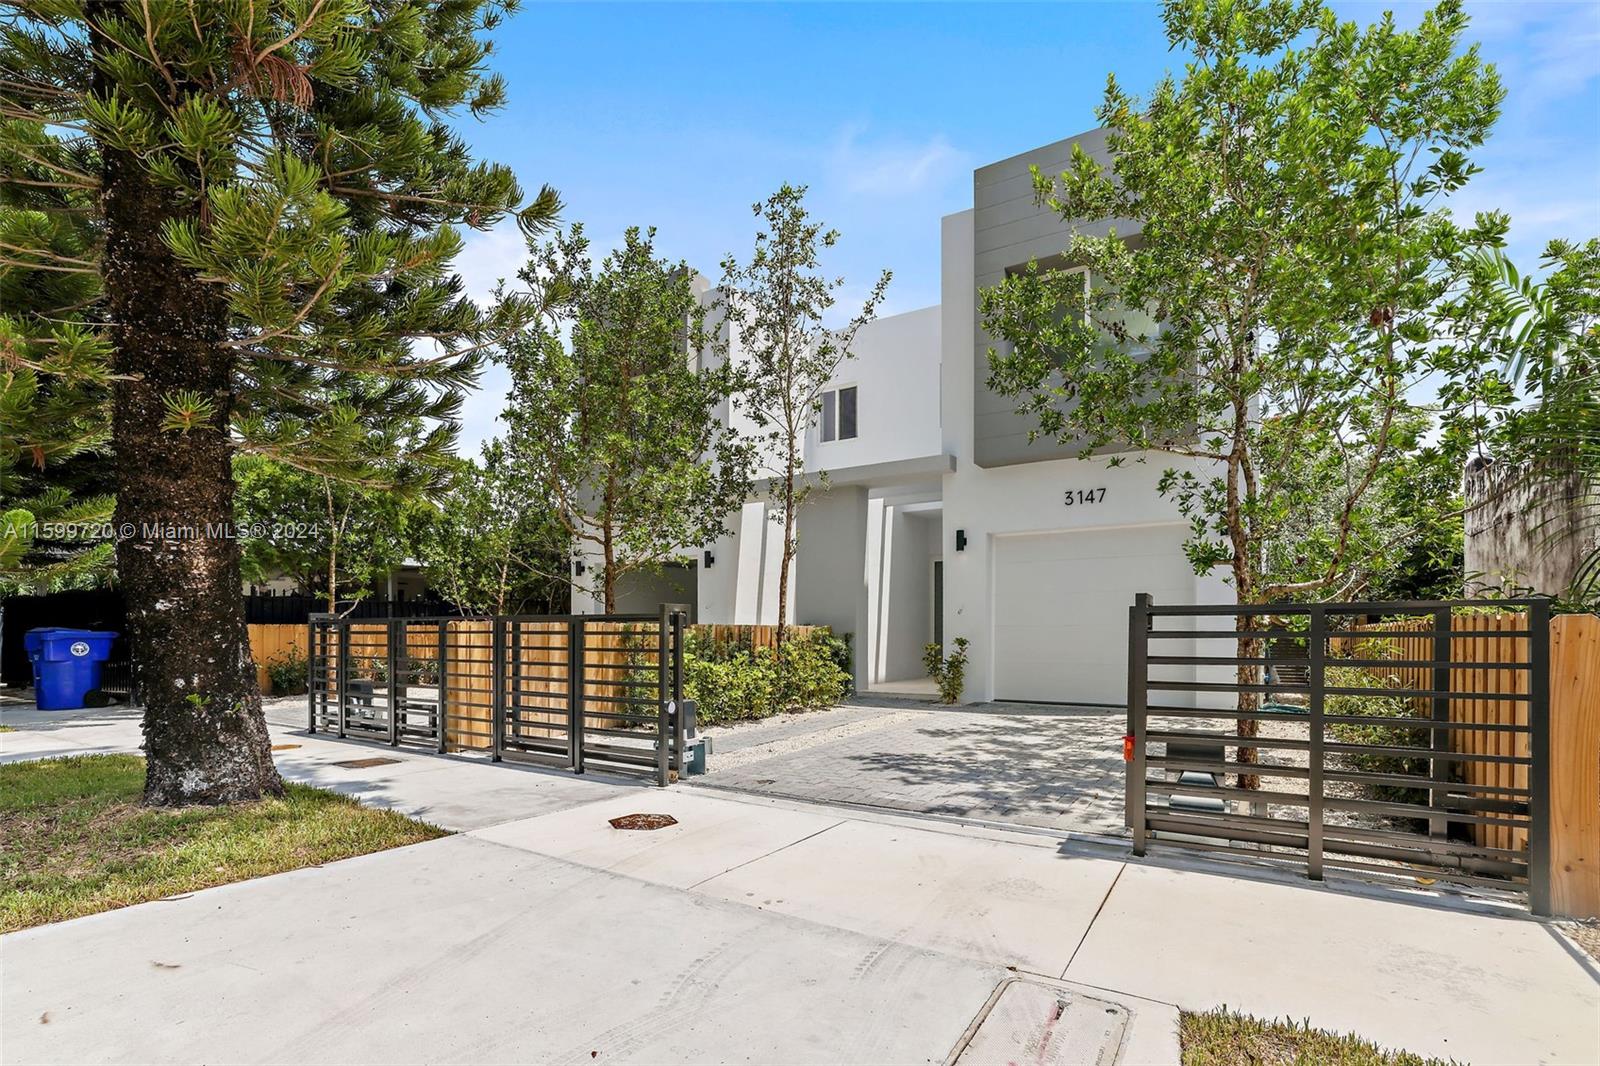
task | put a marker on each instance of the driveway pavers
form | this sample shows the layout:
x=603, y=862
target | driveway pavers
x=1044, y=767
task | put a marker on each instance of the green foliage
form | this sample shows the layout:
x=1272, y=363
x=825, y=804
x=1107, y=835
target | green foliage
x=949, y=673
x=333, y=538
x=1284, y=299
x=731, y=684
x=614, y=426
x=1524, y=390
x=495, y=548
x=54, y=541
x=776, y=305
x=287, y=672
x=311, y=182
x=1378, y=706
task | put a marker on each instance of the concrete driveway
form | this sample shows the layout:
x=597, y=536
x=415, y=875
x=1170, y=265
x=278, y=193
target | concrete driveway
x=754, y=930
x=1056, y=768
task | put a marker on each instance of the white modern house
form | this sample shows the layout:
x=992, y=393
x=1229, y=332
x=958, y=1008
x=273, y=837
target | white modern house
x=939, y=518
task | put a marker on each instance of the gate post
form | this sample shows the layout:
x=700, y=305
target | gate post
x=575, y=670
x=497, y=686
x=680, y=725
x=663, y=724
x=1316, y=646
x=1564, y=846
x=1439, y=738
x=1138, y=698
x=344, y=672
x=440, y=680
x=311, y=675
x=395, y=631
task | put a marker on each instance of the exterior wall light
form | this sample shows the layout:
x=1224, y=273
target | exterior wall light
x=961, y=540
x=577, y=567
x=710, y=560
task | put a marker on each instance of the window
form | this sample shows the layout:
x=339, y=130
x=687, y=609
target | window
x=839, y=414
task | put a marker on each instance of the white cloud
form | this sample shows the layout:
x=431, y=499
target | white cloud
x=894, y=168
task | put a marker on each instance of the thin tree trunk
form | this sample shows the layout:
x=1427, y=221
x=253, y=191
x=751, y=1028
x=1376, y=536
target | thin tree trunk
x=177, y=562
x=788, y=557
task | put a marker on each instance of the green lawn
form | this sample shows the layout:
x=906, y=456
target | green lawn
x=77, y=841
x=1223, y=1038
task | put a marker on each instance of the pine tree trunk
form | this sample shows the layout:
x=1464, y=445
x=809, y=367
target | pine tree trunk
x=205, y=738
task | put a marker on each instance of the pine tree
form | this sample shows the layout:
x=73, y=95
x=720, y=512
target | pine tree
x=228, y=226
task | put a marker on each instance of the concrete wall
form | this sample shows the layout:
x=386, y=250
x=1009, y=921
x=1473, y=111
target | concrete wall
x=896, y=375
x=831, y=586
x=907, y=595
x=1009, y=228
x=644, y=591
x=1520, y=537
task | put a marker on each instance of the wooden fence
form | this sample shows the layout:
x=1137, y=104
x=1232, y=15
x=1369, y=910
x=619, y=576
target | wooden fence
x=270, y=641
x=749, y=637
x=273, y=641
x=1574, y=737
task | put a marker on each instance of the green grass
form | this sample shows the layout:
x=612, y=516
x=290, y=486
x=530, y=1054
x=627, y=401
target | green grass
x=8, y=729
x=1223, y=1038
x=77, y=841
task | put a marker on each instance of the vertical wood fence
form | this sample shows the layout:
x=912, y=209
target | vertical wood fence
x=271, y=641
x=1478, y=643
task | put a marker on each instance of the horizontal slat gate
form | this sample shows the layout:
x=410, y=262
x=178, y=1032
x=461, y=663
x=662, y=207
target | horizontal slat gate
x=1411, y=747
x=572, y=689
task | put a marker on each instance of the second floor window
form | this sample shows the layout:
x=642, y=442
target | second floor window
x=839, y=414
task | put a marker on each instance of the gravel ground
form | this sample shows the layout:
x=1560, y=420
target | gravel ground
x=1586, y=934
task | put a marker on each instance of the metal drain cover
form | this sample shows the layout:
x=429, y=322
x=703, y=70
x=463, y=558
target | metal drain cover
x=643, y=821
x=1038, y=1023
x=362, y=764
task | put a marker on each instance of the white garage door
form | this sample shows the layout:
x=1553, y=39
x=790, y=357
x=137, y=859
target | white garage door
x=1061, y=608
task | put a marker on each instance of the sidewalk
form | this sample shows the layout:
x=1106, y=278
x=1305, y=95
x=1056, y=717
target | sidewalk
x=755, y=929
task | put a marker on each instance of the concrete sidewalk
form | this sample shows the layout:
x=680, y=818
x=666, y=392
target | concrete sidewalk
x=752, y=930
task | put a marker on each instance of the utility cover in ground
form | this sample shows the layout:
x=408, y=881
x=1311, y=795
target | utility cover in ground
x=1041, y=1024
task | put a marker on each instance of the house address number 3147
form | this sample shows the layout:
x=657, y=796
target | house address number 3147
x=1083, y=496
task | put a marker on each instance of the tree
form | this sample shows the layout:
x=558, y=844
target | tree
x=776, y=305
x=1283, y=297
x=257, y=204
x=491, y=549
x=1524, y=394
x=614, y=426
x=334, y=538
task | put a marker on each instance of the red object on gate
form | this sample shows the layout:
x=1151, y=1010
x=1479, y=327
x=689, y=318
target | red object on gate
x=1127, y=747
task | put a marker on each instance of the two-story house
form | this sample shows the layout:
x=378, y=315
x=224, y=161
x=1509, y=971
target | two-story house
x=940, y=519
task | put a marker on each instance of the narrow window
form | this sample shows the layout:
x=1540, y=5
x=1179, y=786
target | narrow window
x=828, y=421
x=847, y=413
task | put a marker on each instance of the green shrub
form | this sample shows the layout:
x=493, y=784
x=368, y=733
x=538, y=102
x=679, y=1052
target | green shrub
x=949, y=673
x=1378, y=707
x=731, y=684
x=287, y=672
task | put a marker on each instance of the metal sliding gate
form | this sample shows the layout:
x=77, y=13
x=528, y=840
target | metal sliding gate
x=563, y=689
x=1402, y=740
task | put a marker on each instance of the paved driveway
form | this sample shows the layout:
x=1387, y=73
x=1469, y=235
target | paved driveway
x=1046, y=767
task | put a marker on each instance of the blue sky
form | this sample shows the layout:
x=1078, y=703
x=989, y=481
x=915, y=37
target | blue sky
x=682, y=115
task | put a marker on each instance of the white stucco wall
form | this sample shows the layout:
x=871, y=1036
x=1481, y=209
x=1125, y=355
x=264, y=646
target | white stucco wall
x=896, y=374
x=1024, y=498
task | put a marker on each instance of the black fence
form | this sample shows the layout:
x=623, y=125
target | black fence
x=564, y=689
x=1414, y=747
x=104, y=609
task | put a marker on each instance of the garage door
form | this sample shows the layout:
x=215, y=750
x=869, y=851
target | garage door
x=1061, y=608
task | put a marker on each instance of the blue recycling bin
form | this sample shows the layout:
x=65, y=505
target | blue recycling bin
x=66, y=664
